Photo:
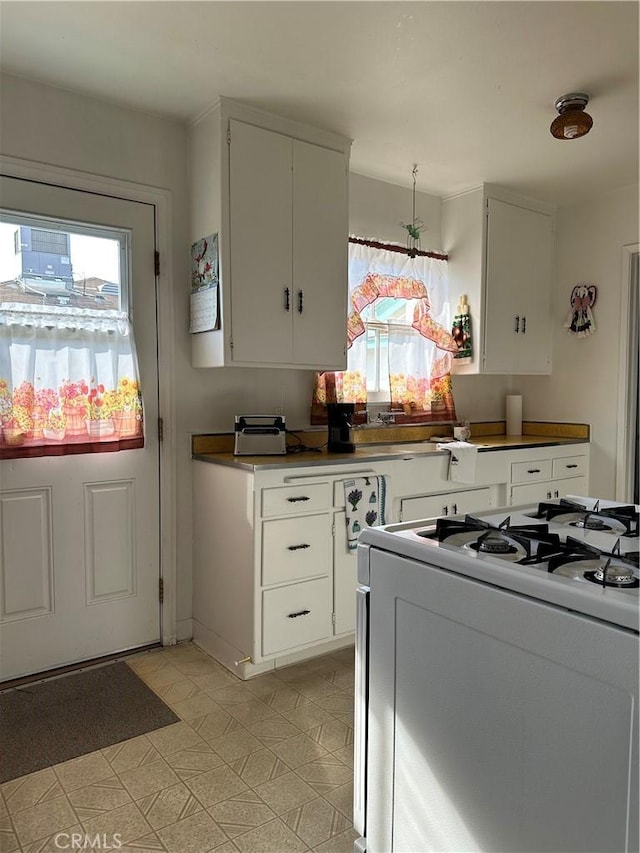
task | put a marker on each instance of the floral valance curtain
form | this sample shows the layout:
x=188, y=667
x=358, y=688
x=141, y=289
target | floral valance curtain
x=419, y=360
x=68, y=381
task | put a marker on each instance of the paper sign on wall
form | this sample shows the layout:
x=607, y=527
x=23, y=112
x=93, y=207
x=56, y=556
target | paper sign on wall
x=204, y=285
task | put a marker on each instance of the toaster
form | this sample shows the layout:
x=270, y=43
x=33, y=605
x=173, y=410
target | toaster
x=260, y=435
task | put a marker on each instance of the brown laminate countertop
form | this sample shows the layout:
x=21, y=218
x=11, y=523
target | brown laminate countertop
x=379, y=452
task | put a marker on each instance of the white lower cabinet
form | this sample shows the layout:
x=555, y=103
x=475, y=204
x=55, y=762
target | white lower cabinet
x=274, y=581
x=545, y=477
x=448, y=503
x=295, y=615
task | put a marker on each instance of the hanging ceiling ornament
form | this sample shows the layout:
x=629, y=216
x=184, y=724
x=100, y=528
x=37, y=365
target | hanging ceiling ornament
x=416, y=226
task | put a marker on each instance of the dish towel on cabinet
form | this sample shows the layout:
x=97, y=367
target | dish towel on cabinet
x=364, y=503
x=462, y=460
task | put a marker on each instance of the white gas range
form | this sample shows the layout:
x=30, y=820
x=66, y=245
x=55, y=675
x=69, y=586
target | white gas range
x=497, y=681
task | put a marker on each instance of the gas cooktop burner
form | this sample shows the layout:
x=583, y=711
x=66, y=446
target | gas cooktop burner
x=527, y=544
x=585, y=562
x=591, y=522
x=493, y=543
x=622, y=520
x=614, y=575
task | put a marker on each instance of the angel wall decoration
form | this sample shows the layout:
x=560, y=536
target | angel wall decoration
x=580, y=321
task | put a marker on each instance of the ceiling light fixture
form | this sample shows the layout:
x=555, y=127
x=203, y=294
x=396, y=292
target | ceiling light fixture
x=572, y=121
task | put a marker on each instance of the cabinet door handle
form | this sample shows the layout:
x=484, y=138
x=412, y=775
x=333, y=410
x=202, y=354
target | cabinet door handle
x=454, y=509
x=517, y=323
x=297, y=547
x=556, y=494
x=572, y=465
x=300, y=297
x=549, y=495
x=297, y=500
x=524, y=325
x=299, y=613
x=533, y=470
x=287, y=299
x=445, y=510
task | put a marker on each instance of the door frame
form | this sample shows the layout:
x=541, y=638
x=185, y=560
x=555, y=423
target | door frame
x=625, y=413
x=160, y=199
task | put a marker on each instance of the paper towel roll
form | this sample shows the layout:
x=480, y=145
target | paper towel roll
x=514, y=414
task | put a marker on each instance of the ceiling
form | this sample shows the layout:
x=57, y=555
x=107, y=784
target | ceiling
x=464, y=89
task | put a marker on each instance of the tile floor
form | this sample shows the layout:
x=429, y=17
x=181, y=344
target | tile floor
x=258, y=766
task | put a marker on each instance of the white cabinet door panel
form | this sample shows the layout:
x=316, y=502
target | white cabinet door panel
x=345, y=578
x=260, y=240
x=450, y=503
x=518, y=269
x=320, y=243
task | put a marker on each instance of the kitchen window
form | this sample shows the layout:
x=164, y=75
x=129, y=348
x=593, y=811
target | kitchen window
x=400, y=346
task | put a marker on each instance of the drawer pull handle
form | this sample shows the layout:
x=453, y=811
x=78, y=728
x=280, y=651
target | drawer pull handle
x=299, y=613
x=571, y=466
x=296, y=500
x=297, y=547
x=533, y=470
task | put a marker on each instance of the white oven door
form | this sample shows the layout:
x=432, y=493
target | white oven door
x=495, y=722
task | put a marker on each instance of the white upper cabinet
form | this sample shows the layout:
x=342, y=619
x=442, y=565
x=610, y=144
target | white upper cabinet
x=500, y=251
x=276, y=192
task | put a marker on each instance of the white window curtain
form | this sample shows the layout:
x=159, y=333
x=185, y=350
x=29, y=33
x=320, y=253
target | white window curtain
x=420, y=356
x=68, y=381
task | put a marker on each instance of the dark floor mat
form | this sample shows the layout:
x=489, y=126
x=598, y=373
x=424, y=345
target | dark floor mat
x=52, y=721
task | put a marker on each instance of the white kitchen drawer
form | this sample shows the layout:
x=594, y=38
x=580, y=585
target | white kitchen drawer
x=532, y=493
x=295, y=615
x=286, y=500
x=294, y=548
x=531, y=472
x=450, y=503
x=569, y=466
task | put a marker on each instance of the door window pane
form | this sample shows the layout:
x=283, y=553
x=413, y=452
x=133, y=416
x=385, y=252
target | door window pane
x=68, y=370
x=43, y=262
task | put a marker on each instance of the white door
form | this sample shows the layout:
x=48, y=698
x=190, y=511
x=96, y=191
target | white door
x=79, y=534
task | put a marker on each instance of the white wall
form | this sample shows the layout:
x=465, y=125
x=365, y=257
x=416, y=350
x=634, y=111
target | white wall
x=584, y=384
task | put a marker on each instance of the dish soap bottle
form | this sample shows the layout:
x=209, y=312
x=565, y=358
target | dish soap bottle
x=461, y=332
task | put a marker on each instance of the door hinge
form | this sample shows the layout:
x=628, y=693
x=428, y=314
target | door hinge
x=333, y=619
x=230, y=343
x=156, y=261
x=160, y=429
x=160, y=590
x=229, y=135
x=333, y=529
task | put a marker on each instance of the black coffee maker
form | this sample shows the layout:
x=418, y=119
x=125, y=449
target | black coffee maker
x=339, y=416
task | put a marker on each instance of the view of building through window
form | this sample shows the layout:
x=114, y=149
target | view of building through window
x=45, y=263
